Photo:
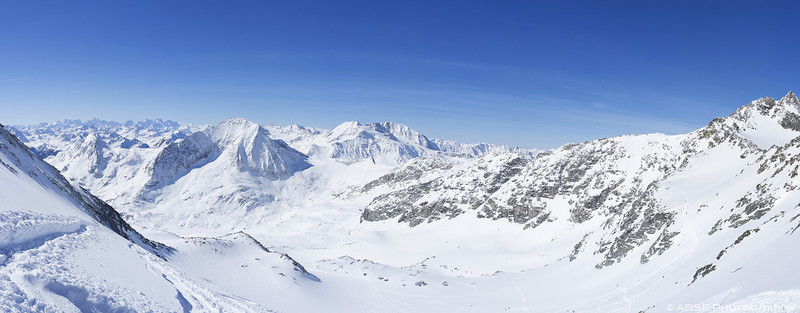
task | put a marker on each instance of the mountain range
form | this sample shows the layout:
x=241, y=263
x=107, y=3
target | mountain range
x=236, y=216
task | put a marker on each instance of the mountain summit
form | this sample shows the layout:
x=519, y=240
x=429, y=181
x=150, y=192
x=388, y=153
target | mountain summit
x=763, y=122
x=249, y=147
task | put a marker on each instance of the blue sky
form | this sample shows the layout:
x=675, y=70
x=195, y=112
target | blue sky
x=524, y=73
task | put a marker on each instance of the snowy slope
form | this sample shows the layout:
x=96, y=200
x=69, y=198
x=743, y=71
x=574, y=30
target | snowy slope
x=62, y=249
x=29, y=178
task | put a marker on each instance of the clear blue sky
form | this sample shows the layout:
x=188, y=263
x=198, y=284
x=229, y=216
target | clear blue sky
x=524, y=73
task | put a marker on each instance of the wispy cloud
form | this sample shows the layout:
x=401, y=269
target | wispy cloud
x=637, y=122
x=462, y=102
x=13, y=79
x=525, y=107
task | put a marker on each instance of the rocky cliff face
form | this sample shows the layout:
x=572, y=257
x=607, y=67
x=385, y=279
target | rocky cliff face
x=179, y=157
x=614, y=181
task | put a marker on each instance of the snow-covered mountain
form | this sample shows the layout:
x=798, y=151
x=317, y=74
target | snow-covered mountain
x=32, y=184
x=244, y=145
x=63, y=249
x=386, y=143
x=408, y=223
x=226, y=168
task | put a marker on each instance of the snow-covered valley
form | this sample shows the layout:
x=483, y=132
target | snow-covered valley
x=377, y=217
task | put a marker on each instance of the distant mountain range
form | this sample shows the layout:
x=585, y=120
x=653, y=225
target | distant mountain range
x=378, y=217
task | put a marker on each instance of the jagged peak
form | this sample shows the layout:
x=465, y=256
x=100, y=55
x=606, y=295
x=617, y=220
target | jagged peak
x=403, y=133
x=346, y=128
x=233, y=128
x=92, y=139
x=348, y=125
x=239, y=121
x=388, y=125
x=296, y=126
x=790, y=99
x=769, y=107
x=242, y=131
x=763, y=122
x=237, y=124
x=391, y=128
x=765, y=104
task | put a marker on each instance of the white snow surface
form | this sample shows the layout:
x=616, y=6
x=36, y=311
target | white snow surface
x=268, y=218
